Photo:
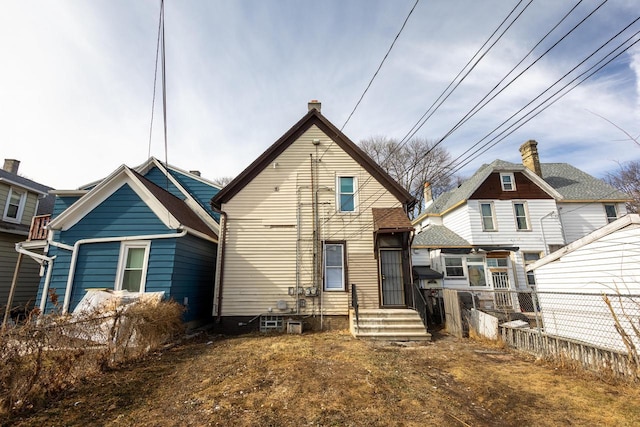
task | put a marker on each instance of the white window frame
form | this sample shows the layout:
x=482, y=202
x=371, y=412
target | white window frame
x=494, y=263
x=512, y=181
x=526, y=215
x=342, y=268
x=122, y=260
x=339, y=194
x=610, y=219
x=21, y=204
x=529, y=275
x=462, y=266
x=477, y=262
x=494, y=223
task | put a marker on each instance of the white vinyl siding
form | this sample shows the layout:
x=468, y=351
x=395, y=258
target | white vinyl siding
x=580, y=219
x=264, y=230
x=507, y=233
x=603, y=266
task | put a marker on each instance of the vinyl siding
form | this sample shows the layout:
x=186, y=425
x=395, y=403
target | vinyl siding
x=260, y=256
x=458, y=221
x=160, y=179
x=609, y=265
x=580, y=219
x=29, y=207
x=193, y=276
x=62, y=203
x=28, y=278
x=199, y=190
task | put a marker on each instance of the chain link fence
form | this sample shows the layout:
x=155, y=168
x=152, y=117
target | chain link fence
x=598, y=330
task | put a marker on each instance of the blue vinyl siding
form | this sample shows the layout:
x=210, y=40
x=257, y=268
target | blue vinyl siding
x=199, y=190
x=121, y=214
x=193, y=276
x=95, y=268
x=62, y=203
x=59, y=276
x=158, y=178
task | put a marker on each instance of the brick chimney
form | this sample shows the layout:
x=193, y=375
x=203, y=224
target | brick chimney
x=11, y=166
x=314, y=104
x=530, y=158
x=428, y=195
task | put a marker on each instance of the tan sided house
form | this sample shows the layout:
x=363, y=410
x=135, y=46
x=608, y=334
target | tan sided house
x=310, y=230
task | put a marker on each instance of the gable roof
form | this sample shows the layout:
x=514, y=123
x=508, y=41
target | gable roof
x=313, y=117
x=560, y=180
x=630, y=220
x=172, y=211
x=22, y=182
x=388, y=220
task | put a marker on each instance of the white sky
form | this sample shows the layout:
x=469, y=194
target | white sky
x=76, y=80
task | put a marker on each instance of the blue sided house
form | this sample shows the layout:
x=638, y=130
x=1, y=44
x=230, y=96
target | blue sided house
x=143, y=229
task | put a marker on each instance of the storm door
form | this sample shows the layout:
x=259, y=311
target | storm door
x=391, y=280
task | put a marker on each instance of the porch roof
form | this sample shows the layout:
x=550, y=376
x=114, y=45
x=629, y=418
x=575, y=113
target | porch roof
x=439, y=236
x=390, y=220
x=423, y=272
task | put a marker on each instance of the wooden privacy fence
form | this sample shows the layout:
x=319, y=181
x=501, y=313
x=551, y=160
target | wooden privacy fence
x=452, y=312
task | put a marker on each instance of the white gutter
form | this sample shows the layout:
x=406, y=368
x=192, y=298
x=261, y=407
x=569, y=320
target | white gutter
x=47, y=280
x=544, y=239
x=76, y=246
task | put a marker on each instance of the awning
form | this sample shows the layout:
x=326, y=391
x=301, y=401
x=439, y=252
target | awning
x=497, y=248
x=422, y=272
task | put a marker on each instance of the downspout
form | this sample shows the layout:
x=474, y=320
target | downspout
x=76, y=250
x=544, y=239
x=219, y=281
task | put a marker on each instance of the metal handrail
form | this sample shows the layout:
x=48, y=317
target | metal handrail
x=420, y=304
x=354, y=302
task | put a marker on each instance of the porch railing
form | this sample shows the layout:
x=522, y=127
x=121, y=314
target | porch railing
x=38, y=230
x=420, y=303
x=354, y=302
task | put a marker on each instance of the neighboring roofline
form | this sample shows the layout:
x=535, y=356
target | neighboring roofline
x=23, y=186
x=313, y=117
x=596, y=201
x=616, y=225
x=442, y=246
x=191, y=201
x=69, y=193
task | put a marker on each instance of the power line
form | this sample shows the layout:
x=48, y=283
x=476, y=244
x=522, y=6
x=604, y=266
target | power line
x=155, y=78
x=375, y=74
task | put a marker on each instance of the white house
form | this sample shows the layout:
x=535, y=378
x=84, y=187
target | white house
x=573, y=282
x=482, y=234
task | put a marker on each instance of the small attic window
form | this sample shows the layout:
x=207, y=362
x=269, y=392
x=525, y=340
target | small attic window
x=508, y=182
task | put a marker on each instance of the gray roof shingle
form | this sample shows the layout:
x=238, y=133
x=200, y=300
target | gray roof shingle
x=439, y=236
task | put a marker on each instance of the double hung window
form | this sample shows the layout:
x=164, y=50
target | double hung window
x=132, y=266
x=520, y=213
x=488, y=217
x=14, y=207
x=347, y=186
x=611, y=211
x=334, y=267
x=508, y=182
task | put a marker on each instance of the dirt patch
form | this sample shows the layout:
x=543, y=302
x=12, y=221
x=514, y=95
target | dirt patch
x=330, y=378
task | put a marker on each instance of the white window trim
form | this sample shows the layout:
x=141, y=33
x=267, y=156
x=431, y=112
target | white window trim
x=513, y=181
x=21, y=205
x=526, y=215
x=493, y=216
x=122, y=259
x=355, y=194
x=344, y=266
x=463, y=265
x=608, y=218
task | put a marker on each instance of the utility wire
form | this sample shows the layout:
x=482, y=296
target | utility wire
x=155, y=79
x=374, y=75
x=541, y=105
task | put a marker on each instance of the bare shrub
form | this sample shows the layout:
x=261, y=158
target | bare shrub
x=49, y=353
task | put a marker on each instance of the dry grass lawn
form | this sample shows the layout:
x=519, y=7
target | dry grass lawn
x=332, y=379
